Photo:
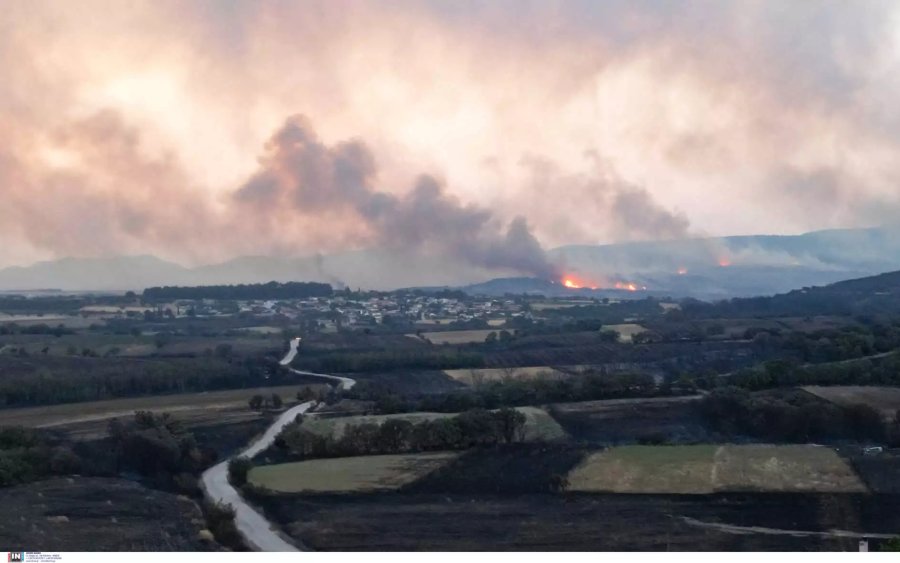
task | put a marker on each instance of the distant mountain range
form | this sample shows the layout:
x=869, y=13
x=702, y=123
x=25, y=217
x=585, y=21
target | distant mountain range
x=704, y=268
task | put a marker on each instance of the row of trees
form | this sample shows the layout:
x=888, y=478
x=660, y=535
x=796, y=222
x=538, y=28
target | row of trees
x=54, y=380
x=788, y=373
x=477, y=427
x=513, y=392
x=793, y=417
x=39, y=329
x=271, y=290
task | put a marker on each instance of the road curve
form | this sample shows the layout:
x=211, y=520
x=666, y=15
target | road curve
x=344, y=382
x=259, y=534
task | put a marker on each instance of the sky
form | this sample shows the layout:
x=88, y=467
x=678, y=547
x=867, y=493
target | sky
x=200, y=131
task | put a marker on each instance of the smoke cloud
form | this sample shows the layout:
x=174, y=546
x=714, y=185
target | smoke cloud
x=300, y=171
x=134, y=128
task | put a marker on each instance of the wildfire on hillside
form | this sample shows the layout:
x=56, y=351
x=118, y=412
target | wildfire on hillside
x=574, y=282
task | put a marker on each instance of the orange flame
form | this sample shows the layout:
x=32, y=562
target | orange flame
x=682, y=271
x=629, y=286
x=573, y=282
x=724, y=262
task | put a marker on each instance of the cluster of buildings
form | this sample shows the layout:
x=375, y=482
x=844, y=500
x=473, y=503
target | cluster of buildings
x=346, y=311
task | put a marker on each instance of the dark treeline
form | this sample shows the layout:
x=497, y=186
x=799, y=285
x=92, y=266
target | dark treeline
x=787, y=373
x=16, y=304
x=271, y=290
x=477, y=427
x=513, y=392
x=609, y=313
x=37, y=329
x=390, y=359
x=71, y=380
x=877, y=295
x=793, y=416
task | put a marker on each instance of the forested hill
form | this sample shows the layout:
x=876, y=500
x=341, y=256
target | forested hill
x=874, y=295
x=271, y=290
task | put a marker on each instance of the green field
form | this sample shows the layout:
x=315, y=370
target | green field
x=538, y=424
x=457, y=336
x=348, y=474
x=702, y=469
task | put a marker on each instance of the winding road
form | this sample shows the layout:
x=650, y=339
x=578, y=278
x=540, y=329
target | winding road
x=259, y=534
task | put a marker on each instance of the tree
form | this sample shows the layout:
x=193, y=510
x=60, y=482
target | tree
x=256, y=402
x=306, y=394
x=491, y=338
x=510, y=424
x=238, y=468
x=276, y=401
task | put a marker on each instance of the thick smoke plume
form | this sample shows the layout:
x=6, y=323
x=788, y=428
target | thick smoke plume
x=300, y=171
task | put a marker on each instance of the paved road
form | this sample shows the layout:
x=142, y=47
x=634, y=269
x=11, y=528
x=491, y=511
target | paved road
x=344, y=382
x=741, y=530
x=259, y=533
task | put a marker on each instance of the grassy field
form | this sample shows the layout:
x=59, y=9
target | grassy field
x=646, y=469
x=884, y=399
x=187, y=406
x=476, y=376
x=538, y=424
x=457, y=336
x=705, y=469
x=346, y=474
x=626, y=330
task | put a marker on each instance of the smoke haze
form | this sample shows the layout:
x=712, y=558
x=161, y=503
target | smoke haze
x=480, y=132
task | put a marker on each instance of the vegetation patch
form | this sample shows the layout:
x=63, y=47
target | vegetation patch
x=474, y=377
x=538, y=424
x=361, y=473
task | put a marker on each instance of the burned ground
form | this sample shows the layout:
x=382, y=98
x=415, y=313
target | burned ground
x=627, y=421
x=512, y=468
x=98, y=514
x=579, y=522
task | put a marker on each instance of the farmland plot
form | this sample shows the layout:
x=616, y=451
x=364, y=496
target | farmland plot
x=346, y=474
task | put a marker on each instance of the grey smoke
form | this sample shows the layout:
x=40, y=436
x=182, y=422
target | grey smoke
x=299, y=170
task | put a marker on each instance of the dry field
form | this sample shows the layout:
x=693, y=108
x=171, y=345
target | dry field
x=538, y=424
x=646, y=469
x=348, y=474
x=626, y=331
x=800, y=468
x=482, y=375
x=706, y=469
x=884, y=399
x=457, y=336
